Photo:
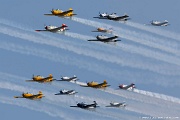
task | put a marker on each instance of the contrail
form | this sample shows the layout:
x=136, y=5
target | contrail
x=165, y=45
x=56, y=57
x=156, y=30
x=165, y=58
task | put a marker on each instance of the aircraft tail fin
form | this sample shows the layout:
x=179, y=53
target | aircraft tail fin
x=40, y=92
x=50, y=75
x=105, y=81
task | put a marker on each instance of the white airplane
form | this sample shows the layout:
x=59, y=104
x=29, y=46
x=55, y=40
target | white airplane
x=66, y=92
x=54, y=29
x=127, y=87
x=113, y=16
x=159, y=23
x=105, y=39
x=116, y=104
x=65, y=78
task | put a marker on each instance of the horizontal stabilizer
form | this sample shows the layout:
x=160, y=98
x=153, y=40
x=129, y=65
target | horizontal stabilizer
x=50, y=14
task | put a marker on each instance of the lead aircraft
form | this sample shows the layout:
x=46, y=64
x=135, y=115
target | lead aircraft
x=31, y=96
x=41, y=79
x=54, y=29
x=60, y=13
x=105, y=39
x=86, y=106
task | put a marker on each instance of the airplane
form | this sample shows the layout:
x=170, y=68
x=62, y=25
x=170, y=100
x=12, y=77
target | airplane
x=86, y=106
x=31, y=96
x=54, y=29
x=93, y=84
x=74, y=78
x=159, y=23
x=66, y=92
x=41, y=79
x=105, y=39
x=116, y=104
x=127, y=87
x=60, y=13
x=113, y=16
x=103, y=30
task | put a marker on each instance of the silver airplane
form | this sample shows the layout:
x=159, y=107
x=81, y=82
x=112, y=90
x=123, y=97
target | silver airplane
x=66, y=92
x=159, y=23
x=113, y=16
x=116, y=104
x=54, y=29
x=105, y=39
x=127, y=87
x=65, y=78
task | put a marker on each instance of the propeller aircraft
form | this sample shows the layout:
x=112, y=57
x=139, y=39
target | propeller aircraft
x=31, y=96
x=127, y=87
x=66, y=92
x=103, y=30
x=60, y=13
x=86, y=106
x=54, y=29
x=94, y=84
x=65, y=78
x=116, y=104
x=159, y=23
x=105, y=39
x=41, y=79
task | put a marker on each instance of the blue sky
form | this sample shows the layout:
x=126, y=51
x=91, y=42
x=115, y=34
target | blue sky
x=148, y=56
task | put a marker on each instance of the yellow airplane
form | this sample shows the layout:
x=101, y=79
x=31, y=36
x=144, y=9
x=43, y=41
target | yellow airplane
x=96, y=84
x=41, y=79
x=31, y=96
x=60, y=13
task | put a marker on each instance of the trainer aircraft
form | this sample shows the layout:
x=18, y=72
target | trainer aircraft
x=105, y=39
x=116, y=104
x=54, y=29
x=41, y=79
x=103, y=30
x=159, y=23
x=94, y=84
x=66, y=92
x=86, y=106
x=127, y=87
x=60, y=13
x=31, y=96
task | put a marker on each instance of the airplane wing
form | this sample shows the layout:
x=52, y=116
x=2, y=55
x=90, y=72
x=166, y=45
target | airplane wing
x=18, y=97
x=122, y=18
x=40, y=30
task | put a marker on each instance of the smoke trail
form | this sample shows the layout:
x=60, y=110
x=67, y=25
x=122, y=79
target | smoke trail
x=165, y=45
x=156, y=30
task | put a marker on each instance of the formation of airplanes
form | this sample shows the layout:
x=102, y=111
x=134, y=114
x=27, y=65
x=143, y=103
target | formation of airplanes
x=100, y=38
x=31, y=96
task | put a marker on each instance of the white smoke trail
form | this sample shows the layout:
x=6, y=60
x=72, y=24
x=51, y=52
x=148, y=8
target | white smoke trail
x=90, y=66
x=158, y=31
x=165, y=45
